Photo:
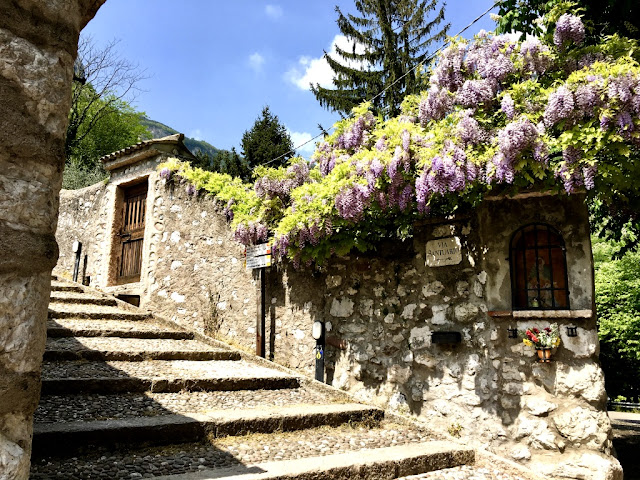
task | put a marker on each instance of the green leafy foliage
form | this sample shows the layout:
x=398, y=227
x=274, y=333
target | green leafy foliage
x=390, y=39
x=500, y=116
x=109, y=124
x=618, y=304
x=101, y=118
x=601, y=17
x=267, y=140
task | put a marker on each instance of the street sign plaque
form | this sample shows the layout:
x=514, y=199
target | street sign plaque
x=258, y=256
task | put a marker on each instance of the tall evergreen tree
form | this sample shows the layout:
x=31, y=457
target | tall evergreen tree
x=390, y=38
x=267, y=140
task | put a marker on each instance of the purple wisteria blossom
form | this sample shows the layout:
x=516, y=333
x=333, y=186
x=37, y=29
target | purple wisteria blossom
x=423, y=192
x=406, y=140
x=587, y=97
x=271, y=187
x=353, y=136
x=476, y=92
x=469, y=130
x=281, y=245
x=191, y=189
x=568, y=172
x=560, y=106
x=228, y=210
x=503, y=170
x=373, y=173
x=351, y=201
x=165, y=173
x=435, y=106
x=508, y=106
x=536, y=56
x=621, y=87
x=251, y=233
x=541, y=153
x=589, y=59
x=381, y=144
x=449, y=74
x=405, y=197
x=516, y=137
x=589, y=174
x=624, y=121
x=569, y=28
x=490, y=58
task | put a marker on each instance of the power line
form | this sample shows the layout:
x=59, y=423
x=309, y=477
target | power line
x=442, y=47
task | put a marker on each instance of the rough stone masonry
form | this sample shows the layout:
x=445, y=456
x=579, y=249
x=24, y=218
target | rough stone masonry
x=38, y=46
x=381, y=311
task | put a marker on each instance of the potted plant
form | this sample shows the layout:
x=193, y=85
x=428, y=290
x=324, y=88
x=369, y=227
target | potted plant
x=542, y=340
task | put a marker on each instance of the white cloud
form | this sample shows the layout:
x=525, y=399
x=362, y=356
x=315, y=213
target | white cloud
x=316, y=70
x=256, y=61
x=299, y=138
x=273, y=11
x=196, y=134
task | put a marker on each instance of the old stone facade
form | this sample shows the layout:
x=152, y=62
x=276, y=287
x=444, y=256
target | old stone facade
x=385, y=314
x=38, y=46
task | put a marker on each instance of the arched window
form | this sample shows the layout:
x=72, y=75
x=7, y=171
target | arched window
x=538, y=269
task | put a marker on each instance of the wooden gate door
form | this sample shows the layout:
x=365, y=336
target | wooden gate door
x=132, y=233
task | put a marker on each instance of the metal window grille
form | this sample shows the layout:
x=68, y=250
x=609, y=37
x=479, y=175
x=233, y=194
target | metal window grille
x=538, y=269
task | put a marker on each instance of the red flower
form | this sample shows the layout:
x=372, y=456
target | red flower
x=535, y=330
x=534, y=339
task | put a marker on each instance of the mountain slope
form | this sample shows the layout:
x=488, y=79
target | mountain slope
x=159, y=130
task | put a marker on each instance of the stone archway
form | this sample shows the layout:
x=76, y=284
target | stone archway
x=38, y=46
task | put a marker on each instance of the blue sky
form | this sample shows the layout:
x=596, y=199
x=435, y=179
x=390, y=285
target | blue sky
x=213, y=65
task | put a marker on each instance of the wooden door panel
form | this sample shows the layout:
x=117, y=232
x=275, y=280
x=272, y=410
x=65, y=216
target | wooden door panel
x=131, y=234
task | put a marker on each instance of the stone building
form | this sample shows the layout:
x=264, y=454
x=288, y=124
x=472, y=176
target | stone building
x=423, y=326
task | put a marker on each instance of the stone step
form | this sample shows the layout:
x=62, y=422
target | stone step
x=69, y=438
x=230, y=456
x=113, y=328
x=82, y=298
x=69, y=408
x=386, y=463
x=98, y=312
x=65, y=377
x=62, y=286
x=132, y=349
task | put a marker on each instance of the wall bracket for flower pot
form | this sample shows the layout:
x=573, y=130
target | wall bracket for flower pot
x=446, y=337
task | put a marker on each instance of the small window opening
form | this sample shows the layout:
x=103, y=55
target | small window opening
x=538, y=269
x=131, y=299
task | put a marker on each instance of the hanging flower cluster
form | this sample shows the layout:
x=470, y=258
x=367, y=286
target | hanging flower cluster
x=496, y=111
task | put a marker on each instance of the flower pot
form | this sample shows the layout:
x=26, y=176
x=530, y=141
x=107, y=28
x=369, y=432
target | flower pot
x=544, y=355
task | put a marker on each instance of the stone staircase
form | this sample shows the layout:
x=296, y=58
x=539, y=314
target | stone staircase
x=126, y=395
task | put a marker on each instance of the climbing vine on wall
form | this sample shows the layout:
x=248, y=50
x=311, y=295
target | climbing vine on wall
x=498, y=113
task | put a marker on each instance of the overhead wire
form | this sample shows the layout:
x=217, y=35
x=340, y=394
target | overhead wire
x=442, y=47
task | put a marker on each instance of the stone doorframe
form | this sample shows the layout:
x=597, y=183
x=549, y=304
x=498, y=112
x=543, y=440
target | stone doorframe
x=38, y=46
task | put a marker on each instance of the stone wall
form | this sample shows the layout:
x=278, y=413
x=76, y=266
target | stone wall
x=193, y=271
x=38, y=45
x=83, y=217
x=380, y=310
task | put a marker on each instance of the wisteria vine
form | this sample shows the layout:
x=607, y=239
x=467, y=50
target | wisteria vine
x=497, y=111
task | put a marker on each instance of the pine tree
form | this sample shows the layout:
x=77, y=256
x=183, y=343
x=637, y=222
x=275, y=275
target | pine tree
x=267, y=140
x=390, y=38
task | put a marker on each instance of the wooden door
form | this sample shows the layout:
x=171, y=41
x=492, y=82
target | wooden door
x=132, y=233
